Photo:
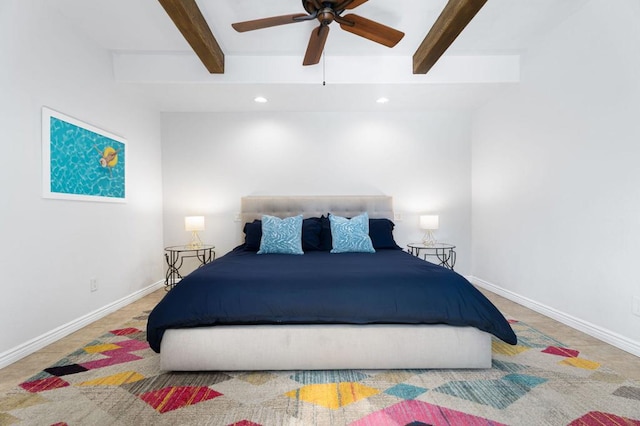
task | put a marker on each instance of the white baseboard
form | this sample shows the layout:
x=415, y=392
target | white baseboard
x=607, y=336
x=33, y=345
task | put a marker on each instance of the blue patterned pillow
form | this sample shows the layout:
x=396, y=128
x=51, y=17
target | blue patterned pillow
x=281, y=235
x=311, y=235
x=350, y=235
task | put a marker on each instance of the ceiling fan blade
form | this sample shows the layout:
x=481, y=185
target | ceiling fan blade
x=312, y=5
x=370, y=30
x=273, y=21
x=316, y=45
x=349, y=4
x=356, y=3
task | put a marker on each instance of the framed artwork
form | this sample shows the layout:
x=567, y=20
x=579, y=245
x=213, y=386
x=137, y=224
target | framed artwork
x=80, y=161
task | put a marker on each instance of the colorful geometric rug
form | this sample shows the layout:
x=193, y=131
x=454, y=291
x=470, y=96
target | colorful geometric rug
x=115, y=380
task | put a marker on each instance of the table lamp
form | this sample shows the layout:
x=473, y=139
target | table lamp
x=194, y=224
x=429, y=223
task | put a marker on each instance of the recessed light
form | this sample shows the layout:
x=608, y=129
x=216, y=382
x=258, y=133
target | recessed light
x=382, y=100
x=260, y=100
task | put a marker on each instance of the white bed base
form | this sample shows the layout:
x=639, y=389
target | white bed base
x=323, y=347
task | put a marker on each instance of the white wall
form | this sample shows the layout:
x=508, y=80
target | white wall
x=49, y=249
x=556, y=199
x=422, y=159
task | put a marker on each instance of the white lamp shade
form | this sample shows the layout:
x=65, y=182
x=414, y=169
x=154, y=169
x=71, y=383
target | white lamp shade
x=194, y=223
x=430, y=221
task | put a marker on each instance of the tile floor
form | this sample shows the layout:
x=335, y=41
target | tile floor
x=616, y=359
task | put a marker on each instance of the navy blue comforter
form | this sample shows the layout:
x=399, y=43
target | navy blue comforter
x=386, y=287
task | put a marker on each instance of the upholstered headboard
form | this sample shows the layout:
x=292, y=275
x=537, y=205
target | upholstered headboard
x=377, y=206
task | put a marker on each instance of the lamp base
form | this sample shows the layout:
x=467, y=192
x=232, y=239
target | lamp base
x=428, y=239
x=196, y=242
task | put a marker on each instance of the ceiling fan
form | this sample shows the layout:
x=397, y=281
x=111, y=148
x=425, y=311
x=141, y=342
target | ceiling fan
x=327, y=11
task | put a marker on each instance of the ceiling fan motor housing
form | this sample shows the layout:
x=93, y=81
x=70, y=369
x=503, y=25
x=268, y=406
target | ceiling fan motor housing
x=326, y=16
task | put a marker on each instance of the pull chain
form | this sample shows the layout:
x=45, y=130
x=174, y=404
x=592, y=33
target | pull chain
x=324, y=82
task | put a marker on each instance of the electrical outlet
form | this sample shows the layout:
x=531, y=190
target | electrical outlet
x=238, y=218
x=93, y=284
x=636, y=306
x=397, y=217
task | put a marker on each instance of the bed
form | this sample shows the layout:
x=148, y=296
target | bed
x=320, y=310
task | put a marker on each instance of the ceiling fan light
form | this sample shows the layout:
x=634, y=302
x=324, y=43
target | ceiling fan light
x=260, y=100
x=382, y=100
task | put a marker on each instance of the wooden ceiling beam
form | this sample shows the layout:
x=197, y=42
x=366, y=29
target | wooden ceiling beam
x=186, y=15
x=454, y=18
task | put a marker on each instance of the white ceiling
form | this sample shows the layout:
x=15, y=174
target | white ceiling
x=138, y=28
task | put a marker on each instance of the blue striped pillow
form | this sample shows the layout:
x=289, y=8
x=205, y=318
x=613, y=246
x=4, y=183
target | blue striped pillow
x=350, y=235
x=282, y=236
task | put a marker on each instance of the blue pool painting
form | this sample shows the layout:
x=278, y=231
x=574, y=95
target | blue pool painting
x=83, y=162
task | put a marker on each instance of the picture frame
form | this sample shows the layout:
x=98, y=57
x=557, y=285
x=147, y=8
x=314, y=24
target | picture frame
x=80, y=161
